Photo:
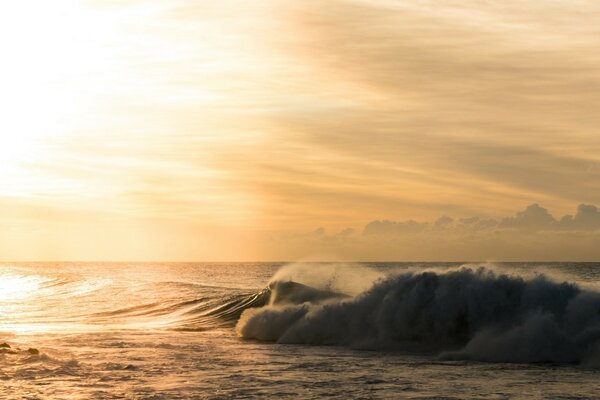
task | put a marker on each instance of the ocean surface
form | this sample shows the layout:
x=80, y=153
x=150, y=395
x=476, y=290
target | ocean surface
x=300, y=330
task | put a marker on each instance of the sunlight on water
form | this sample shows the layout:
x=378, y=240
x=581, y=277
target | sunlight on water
x=143, y=330
x=18, y=287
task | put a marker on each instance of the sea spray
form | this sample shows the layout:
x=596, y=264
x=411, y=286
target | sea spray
x=465, y=313
x=348, y=278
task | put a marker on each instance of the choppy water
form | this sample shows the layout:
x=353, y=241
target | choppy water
x=173, y=331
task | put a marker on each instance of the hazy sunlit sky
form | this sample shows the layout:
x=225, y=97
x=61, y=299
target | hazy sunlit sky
x=233, y=130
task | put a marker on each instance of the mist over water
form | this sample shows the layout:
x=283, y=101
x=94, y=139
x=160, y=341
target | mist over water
x=133, y=330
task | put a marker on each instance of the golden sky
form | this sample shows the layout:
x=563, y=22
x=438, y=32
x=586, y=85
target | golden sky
x=233, y=130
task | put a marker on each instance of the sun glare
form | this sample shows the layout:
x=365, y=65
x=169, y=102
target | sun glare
x=41, y=62
x=50, y=52
x=16, y=287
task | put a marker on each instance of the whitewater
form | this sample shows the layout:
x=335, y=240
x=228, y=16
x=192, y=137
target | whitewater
x=301, y=330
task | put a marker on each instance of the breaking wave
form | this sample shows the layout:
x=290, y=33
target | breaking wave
x=469, y=312
x=465, y=313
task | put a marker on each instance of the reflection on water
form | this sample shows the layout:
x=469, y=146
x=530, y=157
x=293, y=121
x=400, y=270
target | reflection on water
x=18, y=287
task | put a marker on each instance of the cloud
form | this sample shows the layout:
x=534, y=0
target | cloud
x=587, y=217
x=467, y=105
x=393, y=228
x=533, y=217
x=476, y=223
x=530, y=234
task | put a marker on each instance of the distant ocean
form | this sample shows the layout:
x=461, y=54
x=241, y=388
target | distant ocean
x=300, y=330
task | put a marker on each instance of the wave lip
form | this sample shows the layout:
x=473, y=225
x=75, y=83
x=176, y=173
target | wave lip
x=290, y=292
x=227, y=311
x=459, y=314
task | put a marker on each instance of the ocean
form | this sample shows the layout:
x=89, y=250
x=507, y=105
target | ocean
x=299, y=330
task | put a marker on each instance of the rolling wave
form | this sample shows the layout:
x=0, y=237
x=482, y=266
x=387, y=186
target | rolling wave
x=464, y=313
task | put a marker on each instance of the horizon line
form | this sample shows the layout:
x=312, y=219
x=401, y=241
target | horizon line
x=297, y=261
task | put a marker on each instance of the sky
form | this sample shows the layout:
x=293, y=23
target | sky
x=281, y=130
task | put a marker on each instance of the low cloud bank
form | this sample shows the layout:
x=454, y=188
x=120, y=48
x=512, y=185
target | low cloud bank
x=532, y=234
x=533, y=218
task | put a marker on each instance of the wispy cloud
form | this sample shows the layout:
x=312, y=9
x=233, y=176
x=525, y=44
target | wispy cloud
x=285, y=116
